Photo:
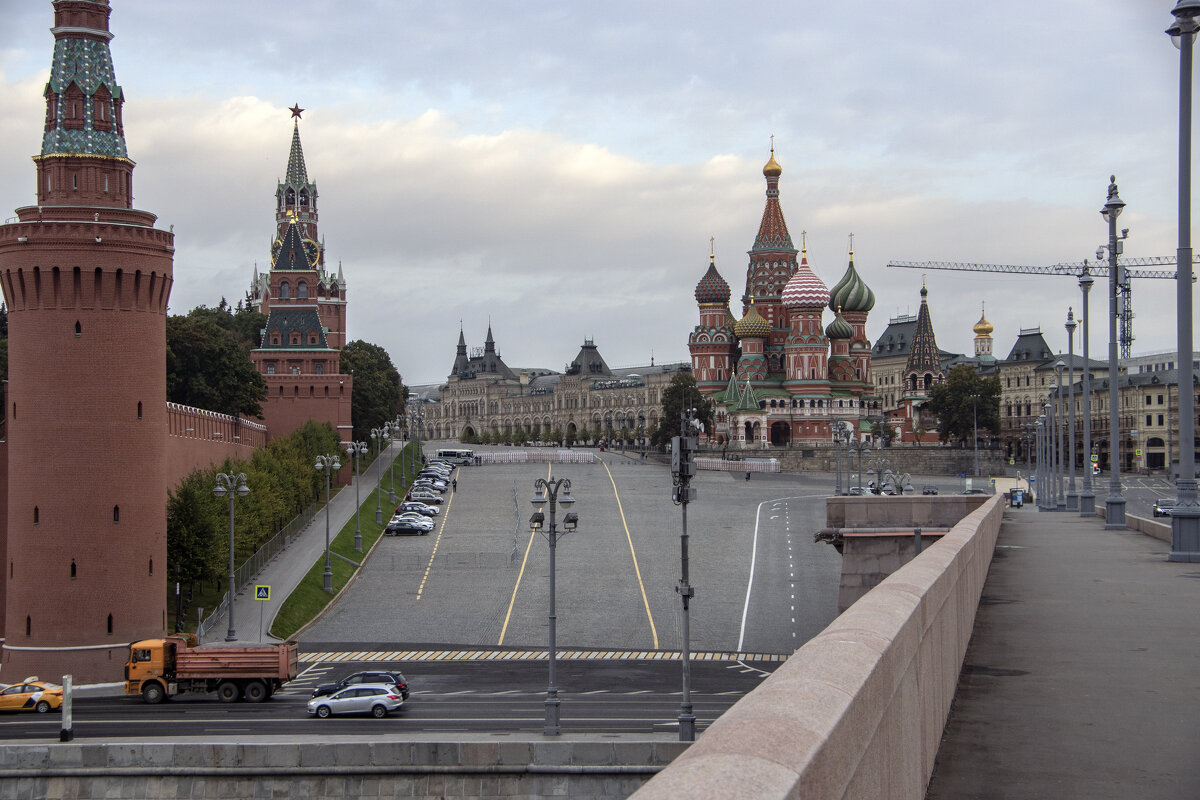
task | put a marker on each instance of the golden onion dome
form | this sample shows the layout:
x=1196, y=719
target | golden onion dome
x=752, y=325
x=983, y=327
x=772, y=168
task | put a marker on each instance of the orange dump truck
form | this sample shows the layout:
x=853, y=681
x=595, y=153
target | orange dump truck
x=161, y=668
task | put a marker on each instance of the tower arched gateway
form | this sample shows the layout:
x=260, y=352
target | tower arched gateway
x=82, y=271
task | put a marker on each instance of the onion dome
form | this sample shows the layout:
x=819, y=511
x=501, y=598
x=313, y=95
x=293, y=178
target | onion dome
x=851, y=293
x=752, y=325
x=839, y=328
x=730, y=320
x=712, y=288
x=983, y=327
x=772, y=168
x=804, y=289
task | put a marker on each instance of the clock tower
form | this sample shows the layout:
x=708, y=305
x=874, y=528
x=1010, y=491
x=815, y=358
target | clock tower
x=305, y=303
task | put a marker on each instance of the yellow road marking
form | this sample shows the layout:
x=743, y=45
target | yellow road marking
x=513, y=600
x=436, y=542
x=633, y=553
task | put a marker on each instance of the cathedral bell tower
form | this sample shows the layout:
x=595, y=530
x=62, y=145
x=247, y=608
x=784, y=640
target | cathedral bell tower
x=87, y=279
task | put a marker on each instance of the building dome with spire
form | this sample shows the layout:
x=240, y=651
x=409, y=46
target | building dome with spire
x=851, y=293
x=839, y=328
x=772, y=169
x=712, y=288
x=752, y=325
x=983, y=327
x=804, y=289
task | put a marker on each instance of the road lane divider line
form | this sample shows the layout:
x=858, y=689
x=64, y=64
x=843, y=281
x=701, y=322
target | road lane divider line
x=512, y=601
x=441, y=530
x=753, y=557
x=632, y=552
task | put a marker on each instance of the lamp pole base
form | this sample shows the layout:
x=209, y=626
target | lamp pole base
x=1185, y=534
x=1114, y=513
x=552, y=727
x=1087, y=504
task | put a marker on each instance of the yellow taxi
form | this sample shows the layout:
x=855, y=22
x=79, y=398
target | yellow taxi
x=31, y=694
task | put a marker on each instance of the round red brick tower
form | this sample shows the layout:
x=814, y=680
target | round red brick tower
x=86, y=278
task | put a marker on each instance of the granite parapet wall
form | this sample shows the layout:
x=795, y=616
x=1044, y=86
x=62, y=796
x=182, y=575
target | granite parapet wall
x=859, y=710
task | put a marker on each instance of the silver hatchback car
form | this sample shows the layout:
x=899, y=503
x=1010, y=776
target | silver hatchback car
x=376, y=699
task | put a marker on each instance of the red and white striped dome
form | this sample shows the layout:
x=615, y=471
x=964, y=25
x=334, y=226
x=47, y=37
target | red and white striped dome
x=805, y=289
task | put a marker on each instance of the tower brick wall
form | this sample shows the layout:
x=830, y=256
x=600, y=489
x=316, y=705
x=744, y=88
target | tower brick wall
x=86, y=437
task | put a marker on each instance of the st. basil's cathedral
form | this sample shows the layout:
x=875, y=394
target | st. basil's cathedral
x=778, y=376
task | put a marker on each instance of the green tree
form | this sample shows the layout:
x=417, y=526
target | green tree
x=378, y=394
x=681, y=393
x=966, y=402
x=208, y=365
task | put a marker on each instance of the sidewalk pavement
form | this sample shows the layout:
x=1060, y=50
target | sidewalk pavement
x=1082, y=677
x=289, y=566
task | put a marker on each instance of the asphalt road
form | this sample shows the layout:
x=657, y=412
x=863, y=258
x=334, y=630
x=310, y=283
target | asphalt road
x=481, y=578
x=597, y=696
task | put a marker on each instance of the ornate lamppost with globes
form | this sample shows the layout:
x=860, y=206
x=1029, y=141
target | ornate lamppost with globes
x=1059, y=418
x=354, y=449
x=328, y=465
x=379, y=436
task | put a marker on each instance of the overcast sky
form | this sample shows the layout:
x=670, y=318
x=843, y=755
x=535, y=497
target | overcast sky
x=559, y=167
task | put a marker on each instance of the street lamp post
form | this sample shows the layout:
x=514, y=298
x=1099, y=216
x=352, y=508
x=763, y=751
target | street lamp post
x=861, y=448
x=379, y=436
x=1185, y=517
x=1051, y=452
x=1072, y=495
x=542, y=489
x=683, y=469
x=1043, y=483
x=1059, y=417
x=1087, y=498
x=839, y=430
x=1114, y=504
x=975, y=429
x=392, y=465
x=328, y=465
x=354, y=448
x=231, y=484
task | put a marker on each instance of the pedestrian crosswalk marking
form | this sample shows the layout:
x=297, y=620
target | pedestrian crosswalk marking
x=534, y=655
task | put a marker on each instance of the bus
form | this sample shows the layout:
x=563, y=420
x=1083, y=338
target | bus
x=457, y=455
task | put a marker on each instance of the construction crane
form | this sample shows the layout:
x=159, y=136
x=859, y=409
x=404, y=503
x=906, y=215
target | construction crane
x=1075, y=269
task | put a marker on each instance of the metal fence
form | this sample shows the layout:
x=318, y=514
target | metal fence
x=244, y=574
x=546, y=456
x=742, y=465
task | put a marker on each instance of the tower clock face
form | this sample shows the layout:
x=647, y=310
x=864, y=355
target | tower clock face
x=311, y=249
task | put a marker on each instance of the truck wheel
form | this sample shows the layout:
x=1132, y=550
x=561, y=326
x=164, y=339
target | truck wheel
x=255, y=692
x=379, y=712
x=323, y=712
x=42, y=707
x=153, y=693
x=229, y=692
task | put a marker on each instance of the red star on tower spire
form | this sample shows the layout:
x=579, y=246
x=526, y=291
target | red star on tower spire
x=296, y=111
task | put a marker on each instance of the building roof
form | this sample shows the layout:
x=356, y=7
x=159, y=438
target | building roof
x=286, y=319
x=86, y=62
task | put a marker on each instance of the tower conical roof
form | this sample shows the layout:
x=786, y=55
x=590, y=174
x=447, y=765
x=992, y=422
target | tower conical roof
x=772, y=230
x=292, y=254
x=923, y=355
x=91, y=126
x=297, y=173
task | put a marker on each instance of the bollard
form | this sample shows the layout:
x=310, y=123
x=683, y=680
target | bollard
x=917, y=541
x=66, y=734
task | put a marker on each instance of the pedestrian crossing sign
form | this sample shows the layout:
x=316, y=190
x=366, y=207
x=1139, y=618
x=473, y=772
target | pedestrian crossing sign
x=262, y=592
